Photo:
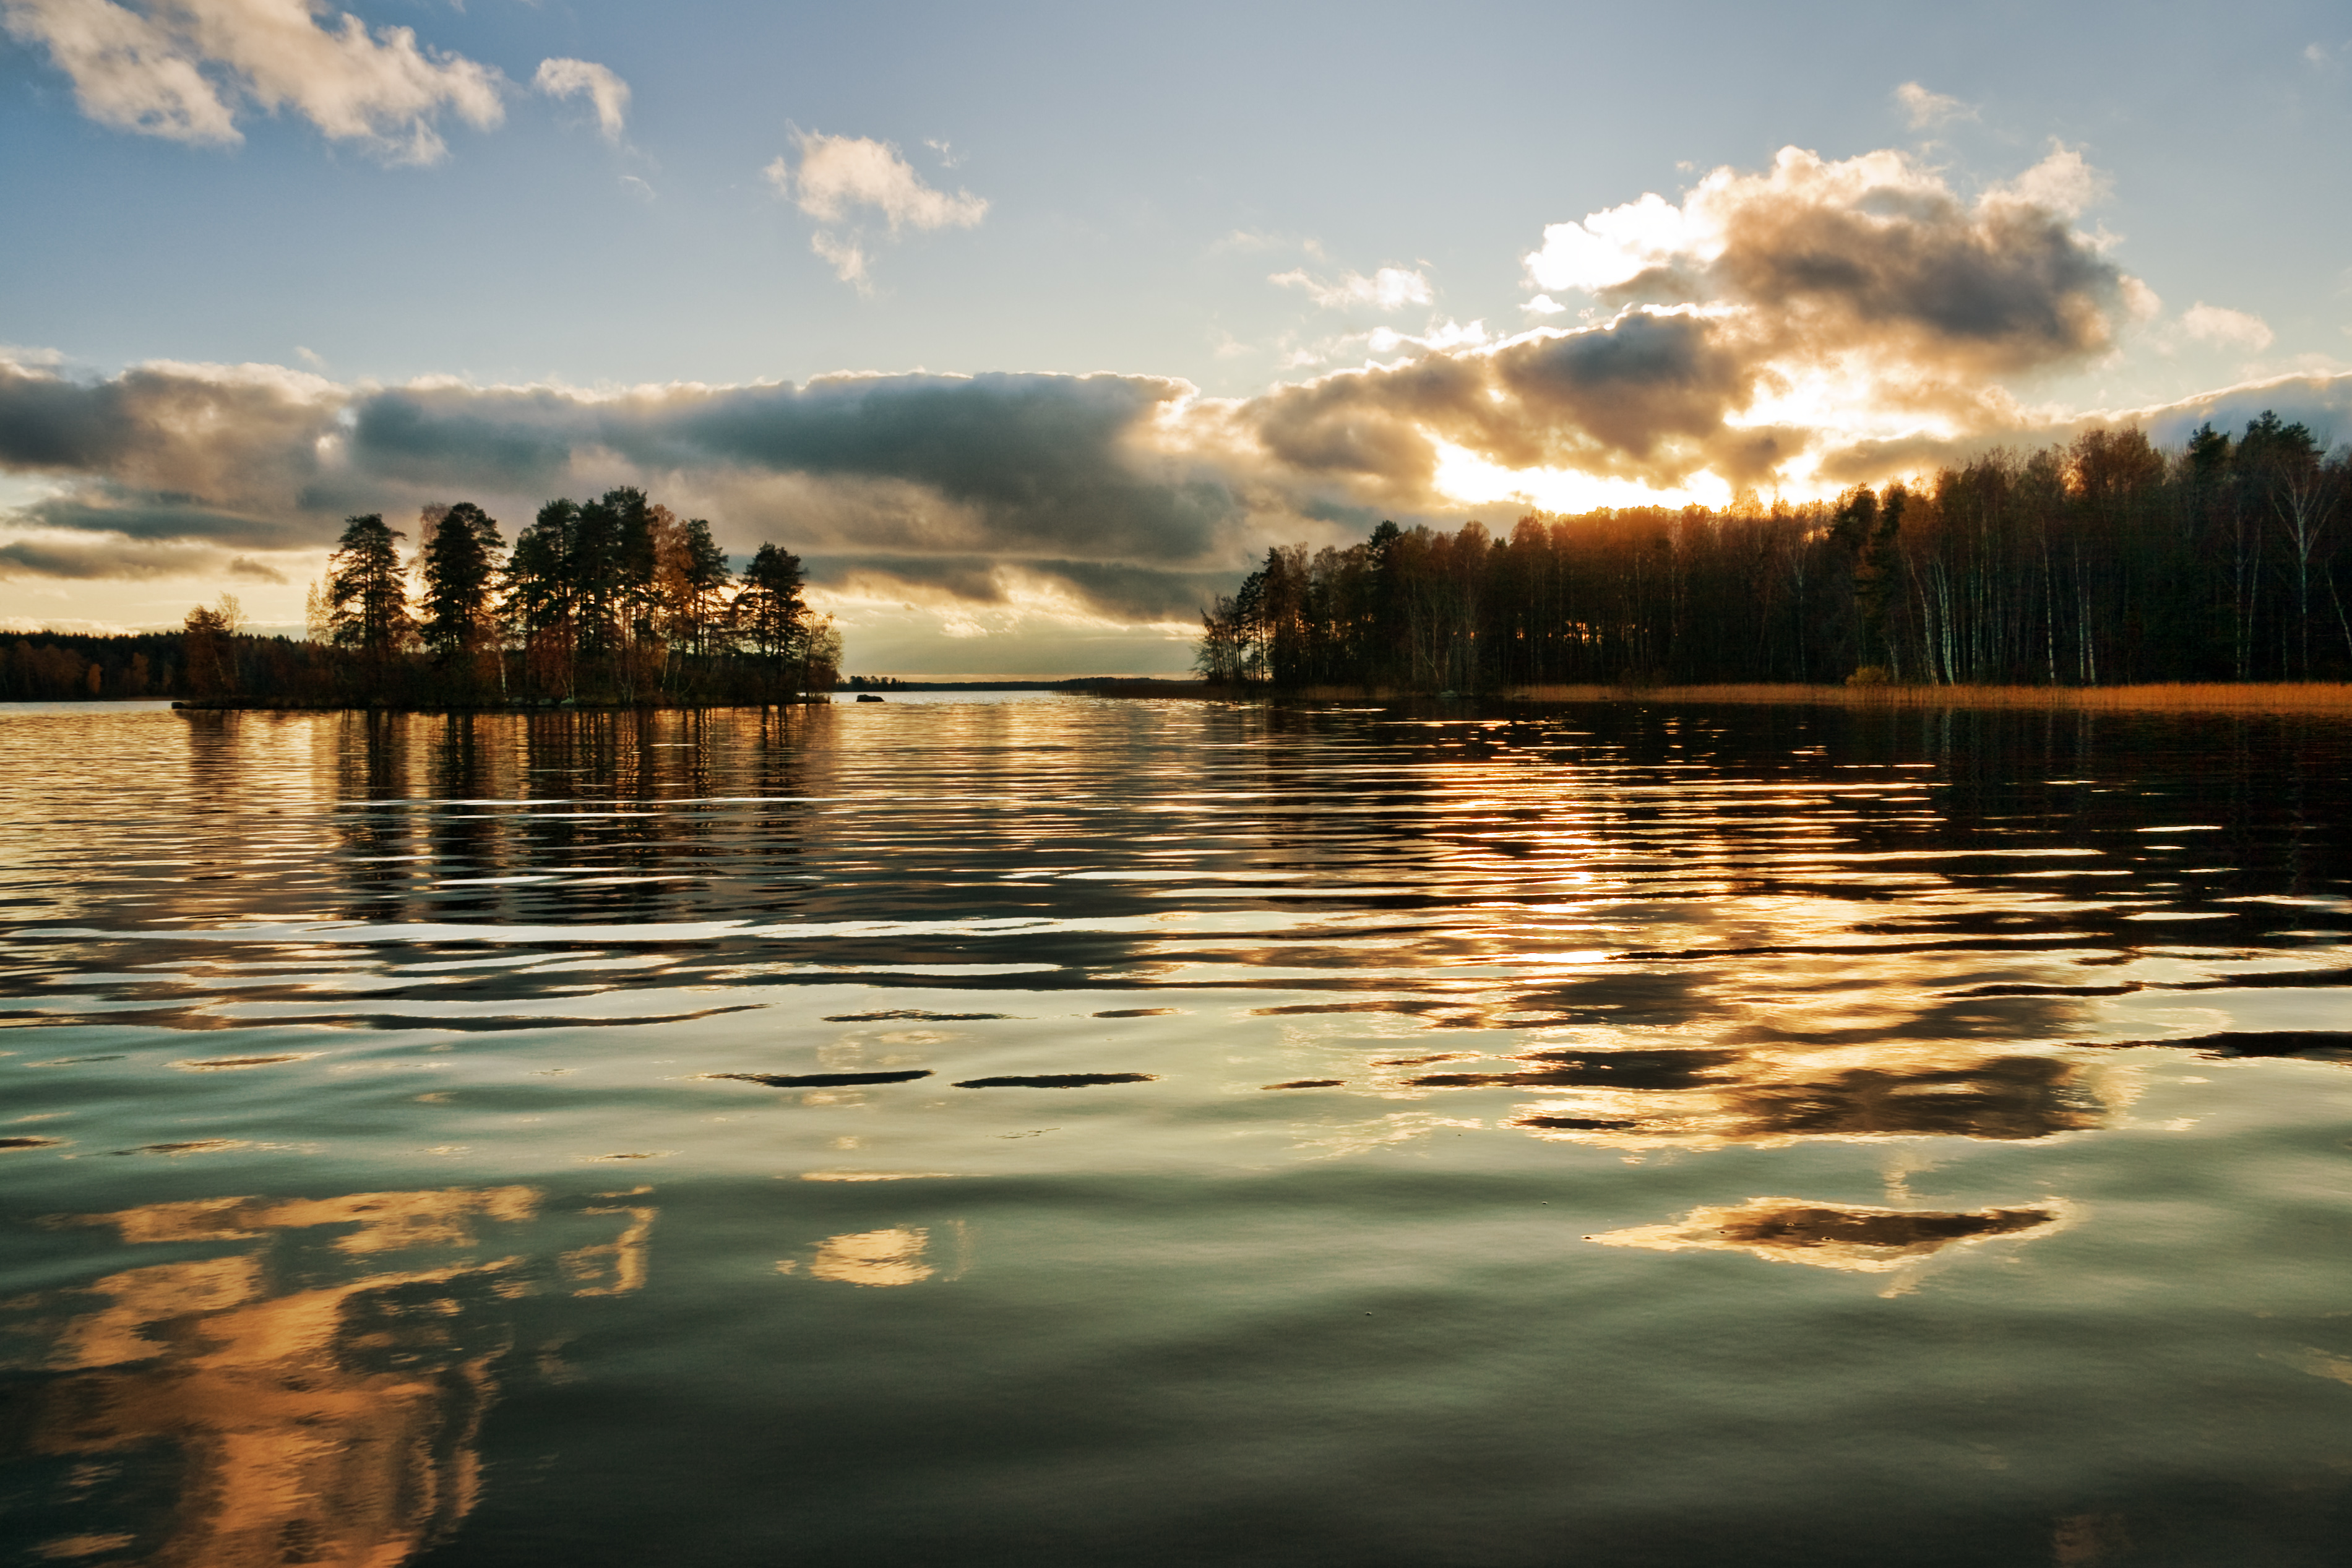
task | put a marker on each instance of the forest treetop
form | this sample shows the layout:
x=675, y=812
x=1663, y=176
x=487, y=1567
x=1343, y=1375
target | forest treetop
x=2102, y=562
x=615, y=599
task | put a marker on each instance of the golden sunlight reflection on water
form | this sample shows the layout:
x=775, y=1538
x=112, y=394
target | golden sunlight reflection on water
x=1331, y=1116
x=321, y=1400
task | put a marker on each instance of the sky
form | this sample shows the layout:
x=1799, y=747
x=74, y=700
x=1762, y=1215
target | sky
x=1030, y=328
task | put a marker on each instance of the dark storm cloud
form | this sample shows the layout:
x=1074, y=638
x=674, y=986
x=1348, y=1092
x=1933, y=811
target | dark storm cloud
x=199, y=433
x=1864, y=462
x=1626, y=388
x=146, y=518
x=1868, y=285
x=500, y=441
x=969, y=579
x=1056, y=471
x=1646, y=395
x=1027, y=463
x=1373, y=424
x=93, y=559
x=1757, y=280
x=49, y=423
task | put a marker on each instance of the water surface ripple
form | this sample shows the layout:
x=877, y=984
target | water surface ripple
x=1061, y=1130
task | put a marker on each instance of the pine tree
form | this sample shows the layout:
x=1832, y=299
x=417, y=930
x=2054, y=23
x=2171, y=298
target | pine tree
x=768, y=609
x=367, y=601
x=539, y=597
x=458, y=560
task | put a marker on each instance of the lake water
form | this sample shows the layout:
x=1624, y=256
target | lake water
x=1067, y=1131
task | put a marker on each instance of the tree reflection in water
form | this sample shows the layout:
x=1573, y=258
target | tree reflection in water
x=315, y=1395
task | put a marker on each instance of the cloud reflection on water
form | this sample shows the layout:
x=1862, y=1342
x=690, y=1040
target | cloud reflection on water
x=1854, y=1237
x=881, y=1257
x=315, y=1395
x=1559, y=954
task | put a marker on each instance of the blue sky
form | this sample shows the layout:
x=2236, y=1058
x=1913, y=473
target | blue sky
x=268, y=271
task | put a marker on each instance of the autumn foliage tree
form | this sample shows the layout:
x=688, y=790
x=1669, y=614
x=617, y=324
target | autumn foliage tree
x=208, y=642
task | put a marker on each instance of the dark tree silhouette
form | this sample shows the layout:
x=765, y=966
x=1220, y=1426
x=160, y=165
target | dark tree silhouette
x=367, y=599
x=541, y=600
x=458, y=559
x=768, y=609
x=2100, y=562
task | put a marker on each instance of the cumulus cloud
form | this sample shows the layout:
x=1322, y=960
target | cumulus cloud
x=127, y=71
x=1857, y=250
x=1389, y=288
x=585, y=78
x=181, y=68
x=1612, y=247
x=1876, y=251
x=1645, y=396
x=1863, y=298
x=2062, y=182
x=847, y=182
x=1130, y=498
x=1073, y=475
x=1925, y=109
x=2225, y=327
x=1804, y=326
x=169, y=450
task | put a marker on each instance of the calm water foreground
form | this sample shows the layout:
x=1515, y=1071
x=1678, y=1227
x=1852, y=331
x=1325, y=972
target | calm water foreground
x=1067, y=1131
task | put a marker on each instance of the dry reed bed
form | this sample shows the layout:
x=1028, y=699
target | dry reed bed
x=2214, y=697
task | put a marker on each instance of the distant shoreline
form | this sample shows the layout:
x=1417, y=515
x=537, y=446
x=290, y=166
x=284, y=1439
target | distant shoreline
x=2218, y=697
x=1091, y=685
x=2214, y=697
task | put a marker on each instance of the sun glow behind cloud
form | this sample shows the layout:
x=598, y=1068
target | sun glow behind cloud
x=1790, y=330
x=1464, y=477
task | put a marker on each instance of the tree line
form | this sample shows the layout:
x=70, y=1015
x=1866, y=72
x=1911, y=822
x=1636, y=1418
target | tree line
x=2103, y=562
x=69, y=666
x=614, y=600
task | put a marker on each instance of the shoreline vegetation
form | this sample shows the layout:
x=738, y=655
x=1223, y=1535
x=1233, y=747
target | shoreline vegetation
x=2105, y=563
x=2165, y=697
x=613, y=603
x=2246, y=698
x=2102, y=575
x=2175, y=697
x=857, y=689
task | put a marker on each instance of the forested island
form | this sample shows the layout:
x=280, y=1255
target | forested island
x=615, y=601
x=2103, y=562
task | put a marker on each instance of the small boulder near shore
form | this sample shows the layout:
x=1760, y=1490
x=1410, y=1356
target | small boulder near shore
x=867, y=696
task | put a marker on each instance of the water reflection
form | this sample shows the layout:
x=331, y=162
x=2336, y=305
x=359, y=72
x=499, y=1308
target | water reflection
x=314, y=1395
x=617, y=1267
x=1639, y=1099
x=1706, y=928
x=1852, y=1237
x=878, y=1257
x=832, y=967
